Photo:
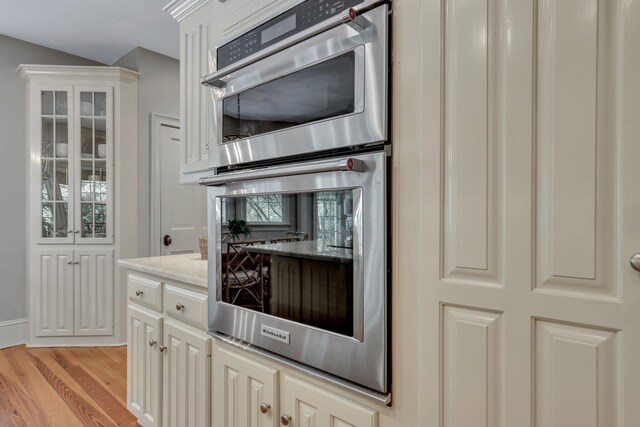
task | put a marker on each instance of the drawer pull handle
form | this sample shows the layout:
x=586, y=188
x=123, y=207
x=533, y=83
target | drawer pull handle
x=152, y=343
x=139, y=292
x=162, y=348
x=285, y=419
x=264, y=407
x=179, y=306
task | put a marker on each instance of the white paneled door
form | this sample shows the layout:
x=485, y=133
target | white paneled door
x=183, y=209
x=535, y=304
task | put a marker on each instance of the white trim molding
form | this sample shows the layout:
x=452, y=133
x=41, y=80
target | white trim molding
x=157, y=121
x=75, y=72
x=13, y=332
x=180, y=9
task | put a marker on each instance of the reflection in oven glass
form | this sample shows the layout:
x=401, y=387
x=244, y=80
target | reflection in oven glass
x=315, y=93
x=291, y=256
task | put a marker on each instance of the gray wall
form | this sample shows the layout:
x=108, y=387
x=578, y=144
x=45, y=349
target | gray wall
x=158, y=92
x=13, y=167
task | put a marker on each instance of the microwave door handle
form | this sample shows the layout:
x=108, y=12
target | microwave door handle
x=346, y=165
x=352, y=17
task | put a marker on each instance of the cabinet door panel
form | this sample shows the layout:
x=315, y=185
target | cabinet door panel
x=53, y=296
x=186, y=376
x=144, y=365
x=93, y=170
x=195, y=103
x=52, y=145
x=93, y=277
x=240, y=386
x=309, y=405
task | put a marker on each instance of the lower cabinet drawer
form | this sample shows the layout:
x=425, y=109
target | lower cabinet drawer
x=186, y=305
x=145, y=291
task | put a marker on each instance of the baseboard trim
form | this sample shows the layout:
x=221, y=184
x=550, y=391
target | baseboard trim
x=13, y=332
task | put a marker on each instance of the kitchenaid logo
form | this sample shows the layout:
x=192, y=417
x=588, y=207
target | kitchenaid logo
x=274, y=334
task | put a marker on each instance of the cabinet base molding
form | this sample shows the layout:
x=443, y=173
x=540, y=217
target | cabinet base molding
x=13, y=332
x=73, y=342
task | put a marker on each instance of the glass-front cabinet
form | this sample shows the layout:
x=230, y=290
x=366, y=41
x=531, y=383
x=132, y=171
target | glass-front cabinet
x=76, y=148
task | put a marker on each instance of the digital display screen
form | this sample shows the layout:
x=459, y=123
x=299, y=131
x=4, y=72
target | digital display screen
x=278, y=29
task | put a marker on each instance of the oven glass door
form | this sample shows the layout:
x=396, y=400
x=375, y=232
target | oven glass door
x=291, y=255
x=298, y=264
x=321, y=91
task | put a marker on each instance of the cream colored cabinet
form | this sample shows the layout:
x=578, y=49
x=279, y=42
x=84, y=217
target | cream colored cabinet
x=53, y=293
x=144, y=365
x=247, y=392
x=169, y=364
x=306, y=405
x=186, y=386
x=82, y=151
x=74, y=292
x=195, y=104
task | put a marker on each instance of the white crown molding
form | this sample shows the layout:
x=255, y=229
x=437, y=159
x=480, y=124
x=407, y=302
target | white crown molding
x=13, y=332
x=33, y=72
x=180, y=9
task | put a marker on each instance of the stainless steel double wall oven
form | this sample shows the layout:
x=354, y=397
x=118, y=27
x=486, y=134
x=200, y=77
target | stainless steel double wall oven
x=298, y=203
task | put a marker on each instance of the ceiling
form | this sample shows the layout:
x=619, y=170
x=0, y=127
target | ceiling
x=101, y=30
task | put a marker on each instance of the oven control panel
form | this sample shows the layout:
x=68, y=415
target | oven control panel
x=299, y=18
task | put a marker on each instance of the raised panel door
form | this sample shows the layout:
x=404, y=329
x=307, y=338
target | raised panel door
x=308, y=405
x=531, y=297
x=93, y=292
x=186, y=379
x=52, y=302
x=242, y=389
x=195, y=99
x=144, y=365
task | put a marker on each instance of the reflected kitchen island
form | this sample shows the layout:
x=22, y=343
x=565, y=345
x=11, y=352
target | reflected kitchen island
x=309, y=282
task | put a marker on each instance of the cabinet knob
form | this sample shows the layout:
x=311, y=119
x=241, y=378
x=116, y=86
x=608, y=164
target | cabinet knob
x=152, y=343
x=264, y=407
x=76, y=262
x=179, y=306
x=69, y=231
x=76, y=231
x=139, y=292
x=69, y=262
x=285, y=419
x=162, y=348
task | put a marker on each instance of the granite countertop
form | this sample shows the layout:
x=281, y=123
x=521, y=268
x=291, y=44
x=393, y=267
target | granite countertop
x=311, y=249
x=187, y=268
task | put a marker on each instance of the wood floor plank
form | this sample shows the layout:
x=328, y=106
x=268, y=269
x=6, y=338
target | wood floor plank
x=83, y=409
x=17, y=405
x=55, y=409
x=115, y=379
x=116, y=410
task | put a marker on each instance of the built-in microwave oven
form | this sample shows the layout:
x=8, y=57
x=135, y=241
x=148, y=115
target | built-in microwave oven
x=310, y=80
x=298, y=199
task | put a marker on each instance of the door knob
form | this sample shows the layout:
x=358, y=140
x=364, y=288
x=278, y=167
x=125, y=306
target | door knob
x=264, y=407
x=285, y=419
x=152, y=343
x=139, y=292
x=179, y=306
x=166, y=240
x=635, y=261
x=162, y=348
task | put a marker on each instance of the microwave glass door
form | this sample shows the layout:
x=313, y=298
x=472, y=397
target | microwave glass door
x=291, y=255
x=321, y=91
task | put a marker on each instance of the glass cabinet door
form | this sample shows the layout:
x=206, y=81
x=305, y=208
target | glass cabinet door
x=55, y=140
x=94, y=154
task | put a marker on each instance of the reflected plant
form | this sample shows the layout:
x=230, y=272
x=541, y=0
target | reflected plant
x=237, y=228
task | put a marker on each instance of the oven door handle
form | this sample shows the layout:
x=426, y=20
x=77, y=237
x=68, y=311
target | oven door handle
x=346, y=165
x=351, y=17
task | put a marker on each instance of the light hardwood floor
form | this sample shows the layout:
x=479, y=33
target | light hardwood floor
x=64, y=387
